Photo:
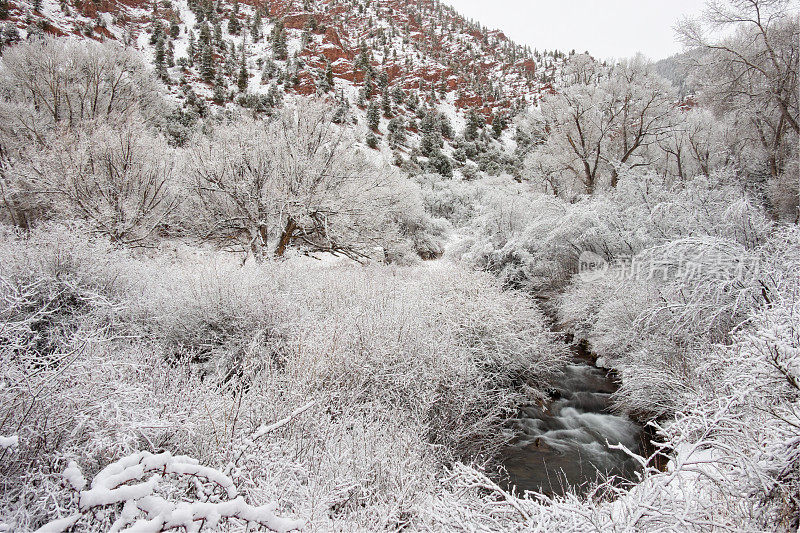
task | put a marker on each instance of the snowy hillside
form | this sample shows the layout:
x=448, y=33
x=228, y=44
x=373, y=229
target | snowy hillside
x=387, y=63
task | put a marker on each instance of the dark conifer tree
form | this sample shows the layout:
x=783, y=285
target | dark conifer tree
x=192, y=50
x=255, y=28
x=279, y=48
x=220, y=93
x=329, y=74
x=242, y=80
x=207, y=62
x=372, y=140
x=233, y=21
x=217, y=34
x=373, y=116
x=386, y=103
x=161, y=59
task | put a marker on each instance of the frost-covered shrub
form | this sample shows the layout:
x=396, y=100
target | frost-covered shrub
x=542, y=250
x=53, y=284
x=459, y=201
x=119, y=496
x=421, y=234
x=655, y=316
x=339, y=392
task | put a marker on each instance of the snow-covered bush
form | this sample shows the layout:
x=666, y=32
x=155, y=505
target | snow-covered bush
x=458, y=201
x=119, y=498
x=541, y=250
x=381, y=375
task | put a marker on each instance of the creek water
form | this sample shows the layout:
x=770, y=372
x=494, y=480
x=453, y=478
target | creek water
x=563, y=444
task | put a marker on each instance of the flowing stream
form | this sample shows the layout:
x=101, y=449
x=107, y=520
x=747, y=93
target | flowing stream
x=563, y=444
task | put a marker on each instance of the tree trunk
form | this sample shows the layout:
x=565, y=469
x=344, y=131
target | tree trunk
x=286, y=237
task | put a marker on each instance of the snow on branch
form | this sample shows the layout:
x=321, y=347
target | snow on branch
x=146, y=492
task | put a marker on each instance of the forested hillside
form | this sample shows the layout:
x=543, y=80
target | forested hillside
x=407, y=75
x=367, y=265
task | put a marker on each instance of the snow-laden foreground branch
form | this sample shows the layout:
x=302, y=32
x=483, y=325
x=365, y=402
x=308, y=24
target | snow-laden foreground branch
x=148, y=493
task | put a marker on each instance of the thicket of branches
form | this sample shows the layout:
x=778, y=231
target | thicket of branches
x=84, y=136
x=387, y=376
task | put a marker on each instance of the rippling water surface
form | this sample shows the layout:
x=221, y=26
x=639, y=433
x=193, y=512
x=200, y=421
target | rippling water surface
x=564, y=443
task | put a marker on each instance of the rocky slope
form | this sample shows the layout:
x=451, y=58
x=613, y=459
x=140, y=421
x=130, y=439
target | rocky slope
x=403, y=58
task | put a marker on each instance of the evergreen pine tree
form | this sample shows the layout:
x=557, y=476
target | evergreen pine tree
x=242, y=80
x=192, y=49
x=255, y=28
x=209, y=11
x=372, y=140
x=343, y=110
x=4, y=9
x=158, y=32
x=497, y=126
x=474, y=124
x=37, y=5
x=397, y=131
x=329, y=75
x=269, y=69
x=398, y=94
x=279, y=48
x=170, y=54
x=446, y=127
x=231, y=61
x=368, y=85
x=441, y=164
x=373, y=116
x=431, y=143
x=217, y=34
x=160, y=59
x=233, y=21
x=174, y=29
x=207, y=62
x=275, y=96
x=220, y=94
x=386, y=103
x=205, y=36
x=362, y=61
x=428, y=122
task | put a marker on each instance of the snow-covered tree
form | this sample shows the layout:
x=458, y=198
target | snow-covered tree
x=752, y=76
x=279, y=47
x=116, y=177
x=295, y=180
x=53, y=81
x=604, y=122
x=373, y=116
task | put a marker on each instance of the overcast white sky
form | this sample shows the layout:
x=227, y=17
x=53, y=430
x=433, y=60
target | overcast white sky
x=606, y=28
